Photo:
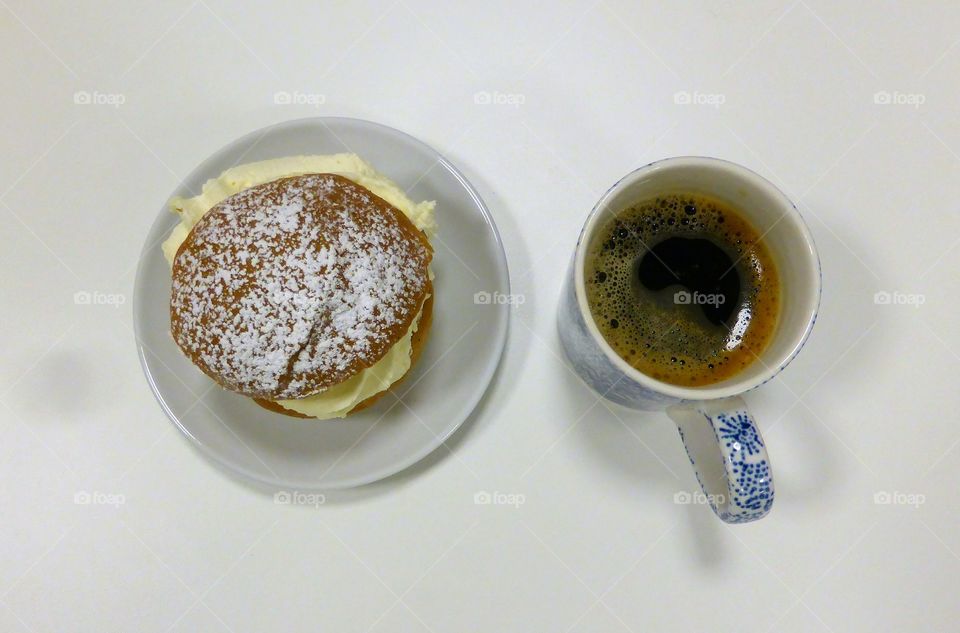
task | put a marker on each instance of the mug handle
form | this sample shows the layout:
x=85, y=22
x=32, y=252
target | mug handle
x=728, y=456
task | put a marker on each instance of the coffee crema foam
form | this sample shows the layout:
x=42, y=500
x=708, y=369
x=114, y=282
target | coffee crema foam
x=683, y=289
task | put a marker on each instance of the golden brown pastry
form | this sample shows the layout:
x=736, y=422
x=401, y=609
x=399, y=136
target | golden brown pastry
x=293, y=286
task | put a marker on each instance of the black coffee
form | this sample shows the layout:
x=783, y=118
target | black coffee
x=683, y=288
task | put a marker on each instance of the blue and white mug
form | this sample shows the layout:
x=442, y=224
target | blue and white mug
x=720, y=435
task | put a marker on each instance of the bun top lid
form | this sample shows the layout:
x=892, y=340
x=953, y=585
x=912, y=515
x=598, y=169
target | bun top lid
x=293, y=286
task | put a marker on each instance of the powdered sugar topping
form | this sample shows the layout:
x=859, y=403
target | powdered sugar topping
x=287, y=288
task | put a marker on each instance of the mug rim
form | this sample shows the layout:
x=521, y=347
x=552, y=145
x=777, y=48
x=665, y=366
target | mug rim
x=706, y=392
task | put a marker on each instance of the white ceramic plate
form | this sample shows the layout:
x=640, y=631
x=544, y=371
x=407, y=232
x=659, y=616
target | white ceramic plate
x=458, y=362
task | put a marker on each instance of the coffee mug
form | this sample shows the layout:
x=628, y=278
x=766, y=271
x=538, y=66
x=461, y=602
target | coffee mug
x=720, y=435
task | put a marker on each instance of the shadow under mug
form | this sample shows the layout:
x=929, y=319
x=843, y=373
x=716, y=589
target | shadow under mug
x=722, y=439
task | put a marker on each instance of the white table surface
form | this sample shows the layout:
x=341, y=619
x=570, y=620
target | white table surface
x=583, y=93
